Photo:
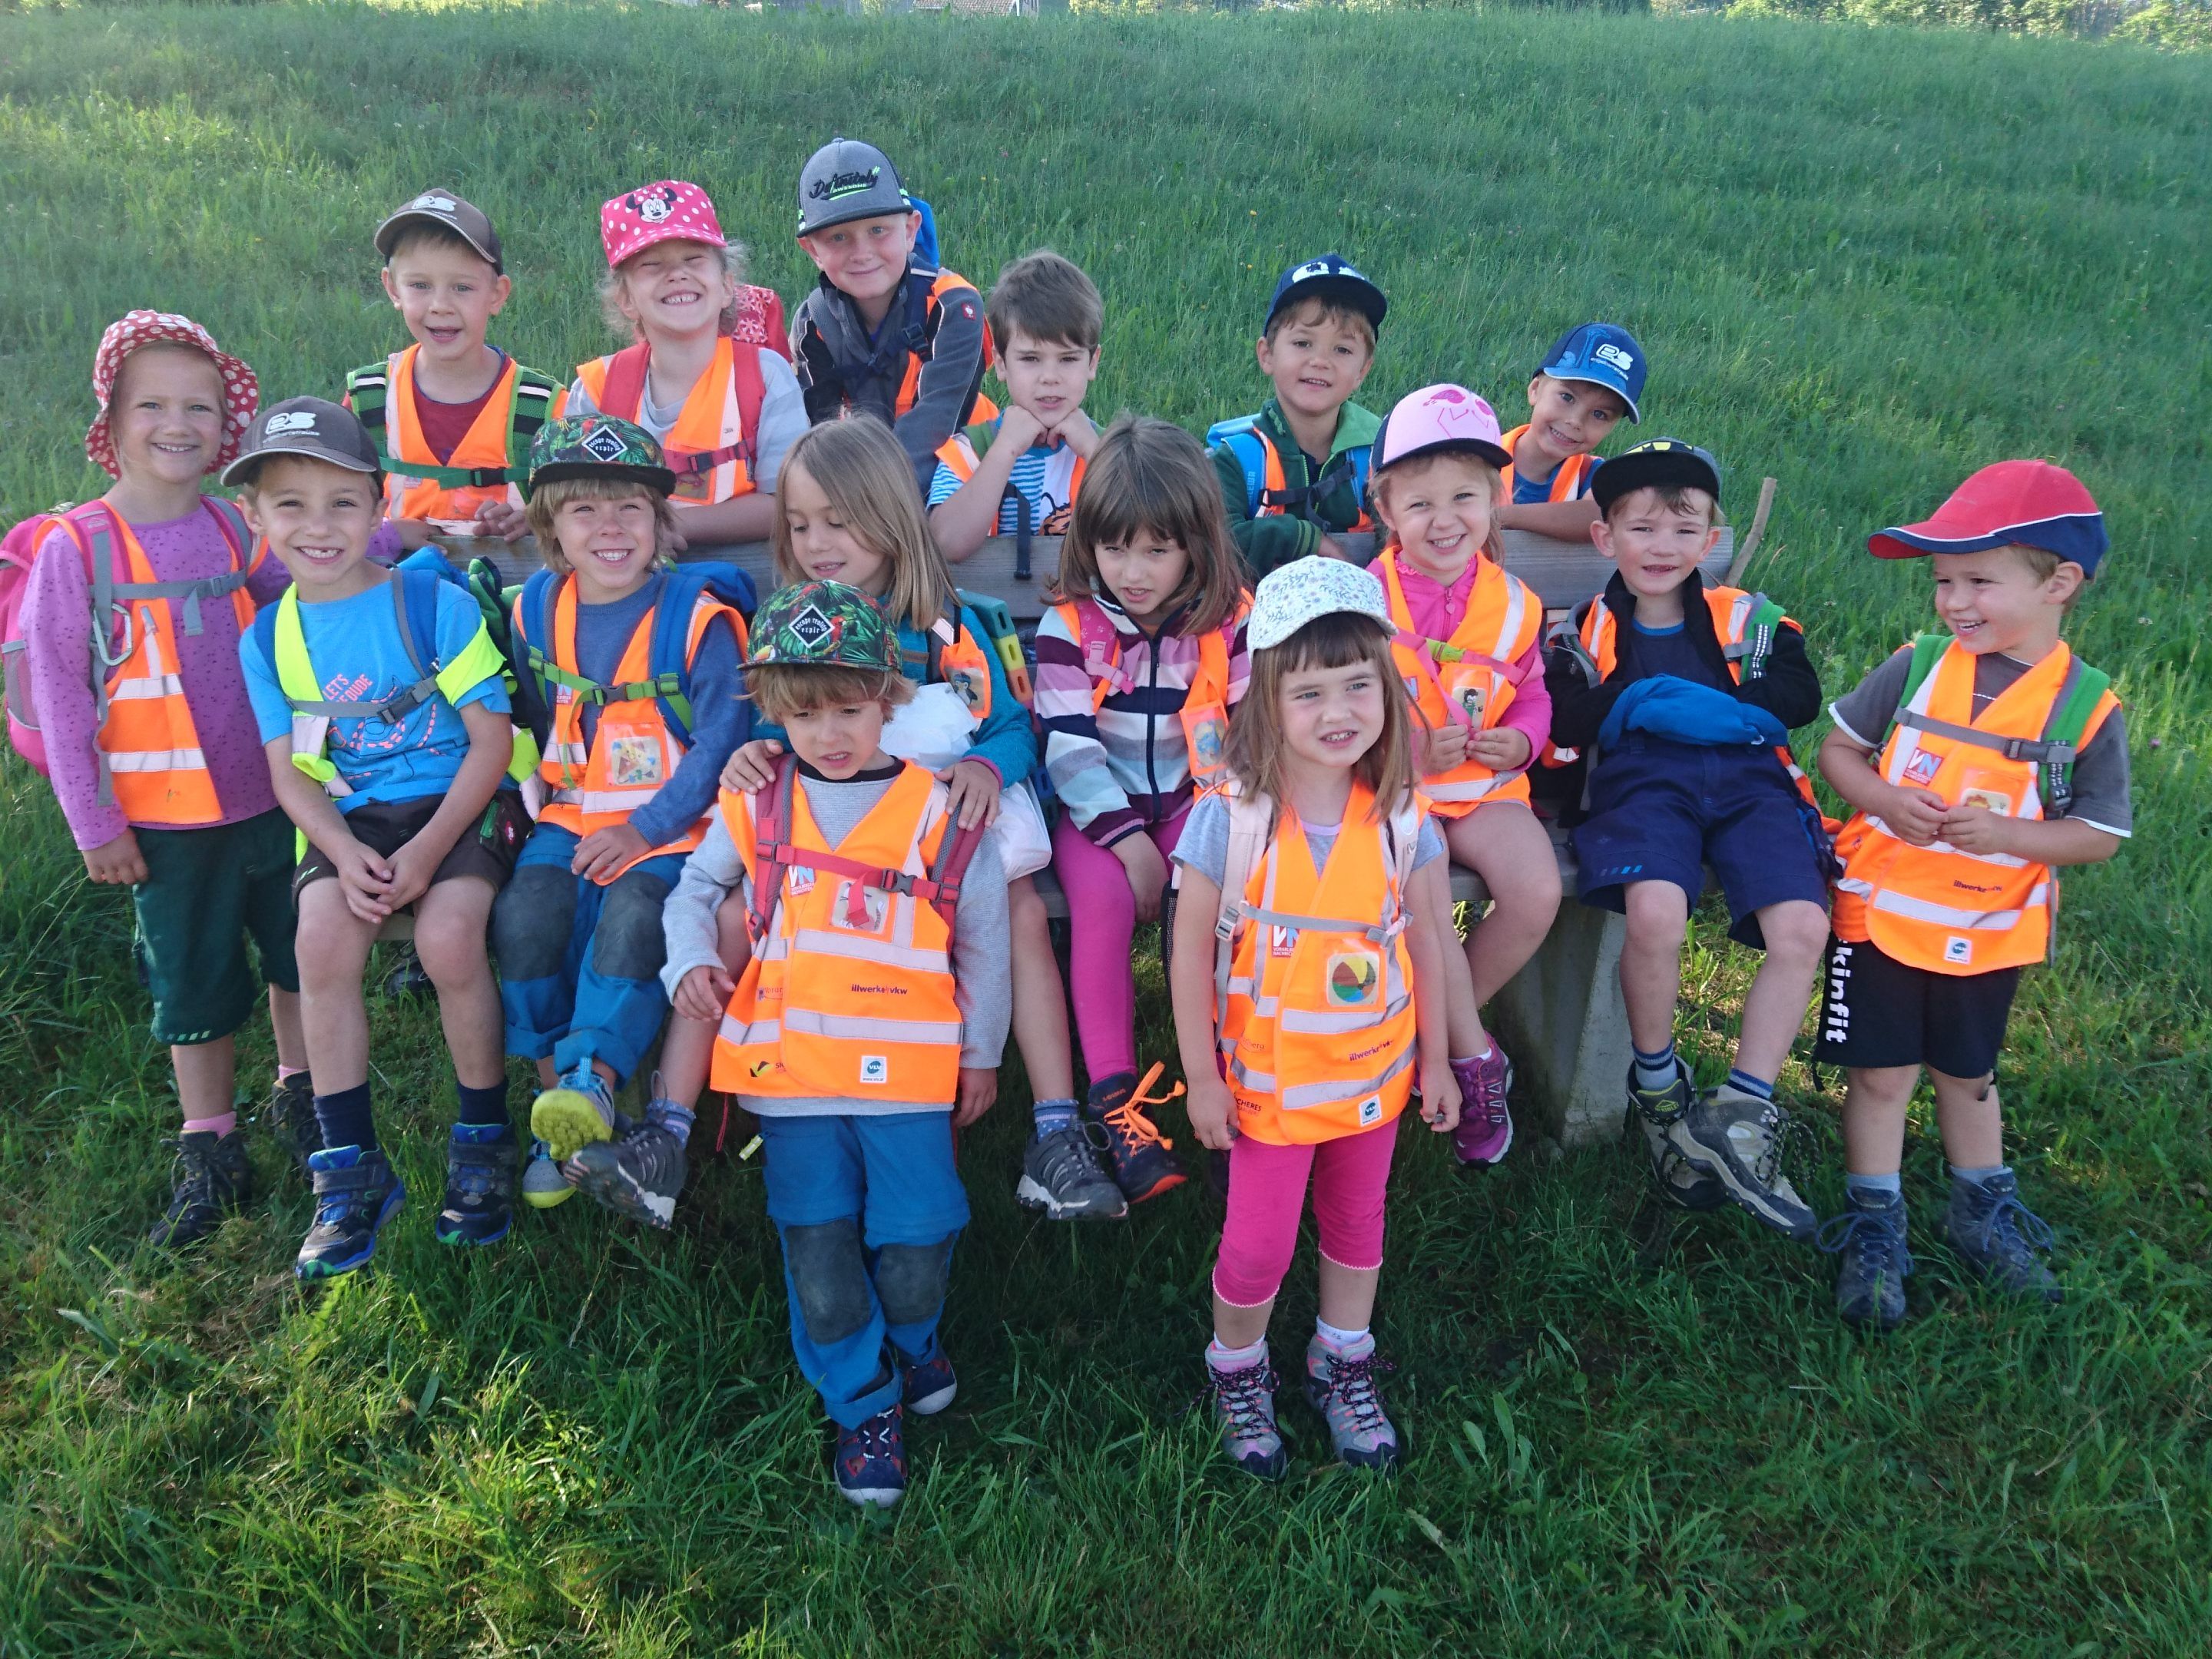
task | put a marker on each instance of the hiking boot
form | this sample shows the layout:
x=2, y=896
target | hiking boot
x=1342, y=1388
x=1870, y=1235
x=356, y=1194
x=871, y=1460
x=212, y=1175
x=407, y=977
x=1737, y=1137
x=1485, y=1125
x=927, y=1389
x=291, y=1114
x=479, y=1185
x=1679, y=1181
x=1244, y=1405
x=1135, y=1146
x=2000, y=1238
x=543, y=1184
x=638, y=1175
x=1061, y=1175
x=577, y=1110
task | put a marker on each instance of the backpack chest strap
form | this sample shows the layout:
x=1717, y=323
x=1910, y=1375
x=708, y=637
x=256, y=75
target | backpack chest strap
x=2035, y=752
x=904, y=883
x=190, y=593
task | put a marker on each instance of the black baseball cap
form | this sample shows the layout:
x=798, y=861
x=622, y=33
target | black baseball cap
x=442, y=207
x=846, y=180
x=1332, y=277
x=1658, y=461
x=311, y=426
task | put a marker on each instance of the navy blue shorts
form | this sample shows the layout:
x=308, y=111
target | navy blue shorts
x=1661, y=811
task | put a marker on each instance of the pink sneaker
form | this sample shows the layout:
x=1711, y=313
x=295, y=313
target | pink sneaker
x=1486, y=1124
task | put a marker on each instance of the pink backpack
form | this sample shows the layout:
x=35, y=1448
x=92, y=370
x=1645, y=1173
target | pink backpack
x=18, y=550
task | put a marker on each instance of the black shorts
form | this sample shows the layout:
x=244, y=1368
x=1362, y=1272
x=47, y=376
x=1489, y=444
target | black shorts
x=1876, y=1011
x=384, y=827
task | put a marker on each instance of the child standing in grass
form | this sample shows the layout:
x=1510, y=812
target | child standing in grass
x=722, y=409
x=1137, y=669
x=1591, y=377
x=1309, y=986
x=868, y=1021
x=1978, y=760
x=629, y=768
x=383, y=712
x=150, y=741
x=1469, y=648
x=1297, y=470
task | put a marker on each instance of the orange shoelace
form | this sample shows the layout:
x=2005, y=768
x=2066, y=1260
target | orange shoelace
x=1129, y=1116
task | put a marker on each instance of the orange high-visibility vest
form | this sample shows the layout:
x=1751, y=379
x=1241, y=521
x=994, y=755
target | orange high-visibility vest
x=849, y=995
x=981, y=409
x=1567, y=484
x=632, y=752
x=1467, y=678
x=711, y=446
x=1314, y=996
x=485, y=445
x=1204, y=712
x=1277, y=485
x=1938, y=907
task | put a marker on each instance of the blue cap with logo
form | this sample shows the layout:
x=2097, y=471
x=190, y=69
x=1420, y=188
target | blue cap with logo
x=1603, y=354
x=1331, y=277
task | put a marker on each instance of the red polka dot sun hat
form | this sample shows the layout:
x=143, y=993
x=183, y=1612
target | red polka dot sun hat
x=668, y=211
x=241, y=389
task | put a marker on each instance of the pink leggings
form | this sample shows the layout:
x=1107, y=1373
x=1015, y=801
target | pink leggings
x=1102, y=914
x=1267, y=1191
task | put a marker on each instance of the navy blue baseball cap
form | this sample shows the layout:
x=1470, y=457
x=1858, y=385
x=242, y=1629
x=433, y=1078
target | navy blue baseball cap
x=1658, y=461
x=1603, y=354
x=1332, y=277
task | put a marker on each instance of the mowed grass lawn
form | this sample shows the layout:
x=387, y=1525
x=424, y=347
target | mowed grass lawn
x=1864, y=263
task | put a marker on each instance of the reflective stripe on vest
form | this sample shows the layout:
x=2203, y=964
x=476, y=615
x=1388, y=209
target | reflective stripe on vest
x=1567, y=484
x=849, y=994
x=1940, y=907
x=1469, y=679
x=484, y=445
x=708, y=447
x=1204, y=712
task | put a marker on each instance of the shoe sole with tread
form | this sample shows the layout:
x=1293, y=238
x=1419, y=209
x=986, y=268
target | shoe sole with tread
x=1032, y=1195
x=601, y=1179
x=567, y=1121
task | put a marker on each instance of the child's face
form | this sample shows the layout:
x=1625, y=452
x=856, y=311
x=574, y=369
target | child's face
x=1570, y=417
x=838, y=739
x=864, y=257
x=1331, y=716
x=448, y=296
x=821, y=546
x=1994, y=601
x=675, y=288
x=1316, y=362
x=318, y=519
x=1654, y=546
x=609, y=545
x=166, y=413
x=1440, y=510
x=1143, y=574
x=1048, y=378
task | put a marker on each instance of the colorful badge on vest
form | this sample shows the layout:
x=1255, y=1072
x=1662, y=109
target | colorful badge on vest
x=666, y=210
x=2008, y=504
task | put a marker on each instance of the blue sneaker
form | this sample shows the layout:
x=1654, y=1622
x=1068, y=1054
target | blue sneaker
x=479, y=1205
x=2000, y=1238
x=871, y=1460
x=1870, y=1235
x=574, y=1113
x=927, y=1389
x=356, y=1194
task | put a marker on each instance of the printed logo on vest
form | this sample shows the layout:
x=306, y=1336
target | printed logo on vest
x=1371, y=1110
x=875, y=1068
x=1281, y=941
x=799, y=879
x=1354, y=979
x=1959, y=949
x=1923, y=767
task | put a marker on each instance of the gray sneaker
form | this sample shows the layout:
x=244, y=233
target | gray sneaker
x=1679, y=1181
x=2000, y=1238
x=1061, y=1175
x=1736, y=1137
x=1244, y=1405
x=1342, y=1389
x=543, y=1184
x=638, y=1175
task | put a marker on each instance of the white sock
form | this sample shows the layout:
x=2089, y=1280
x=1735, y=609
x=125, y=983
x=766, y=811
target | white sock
x=1235, y=1359
x=1342, y=1340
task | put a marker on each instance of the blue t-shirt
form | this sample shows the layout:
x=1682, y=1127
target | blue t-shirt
x=1669, y=651
x=1534, y=492
x=353, y=646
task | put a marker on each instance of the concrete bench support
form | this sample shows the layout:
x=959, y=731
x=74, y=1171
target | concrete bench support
x=1562, y=1019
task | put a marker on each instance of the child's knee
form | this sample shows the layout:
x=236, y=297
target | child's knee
x=450, y=941
x=830, y=1279
x=1658, y=914
x=1797, y=929
x=911, y=1280
x=530, y=921
x=629, y=942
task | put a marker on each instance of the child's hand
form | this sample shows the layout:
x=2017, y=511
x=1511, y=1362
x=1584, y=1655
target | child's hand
x=503, y=520
x=365, y=879
x=1443, y=748
x=1440, y=1096
x=979, y=1088
x=413, y=870
x=1020, y=427
x=1977, y=830
x=973, y=789
x=1501, y=749
x=1213, y=1112
x=704, y=993
x=751, y=766
x=118, y=863
x=602, y=854
x=1077, y=431
x=1146, y=869
x=1916, y=814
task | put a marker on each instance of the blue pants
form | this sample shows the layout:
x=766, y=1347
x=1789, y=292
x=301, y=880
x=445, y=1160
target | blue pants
x=868, y=1209
x=580, y=964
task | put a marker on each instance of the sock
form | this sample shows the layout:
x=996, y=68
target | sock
x=345, y=1119
x=1053, y=1115
x=1857, y=1185
x=1760, y=1086
x=218, y=1127
x=1219, y=1359
x=484, y=1106
x=665, y=1114
x=284, y=1072
x=1978, y=1177
x=1343, y=1341
x=1656, y=1071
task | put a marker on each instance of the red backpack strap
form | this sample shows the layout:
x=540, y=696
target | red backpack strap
x=752, y=390
x=771, y=845
x=624, y=391
x=954, y=853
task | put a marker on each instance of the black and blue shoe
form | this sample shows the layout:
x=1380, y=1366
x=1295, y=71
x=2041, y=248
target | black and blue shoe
x=1870, y=1235
x=479, y=1205
x=213, y=1180
x=871, y=1460
x=2001, y=1239
x=356, y=1194
x=639, y=1174
x=927, y=1389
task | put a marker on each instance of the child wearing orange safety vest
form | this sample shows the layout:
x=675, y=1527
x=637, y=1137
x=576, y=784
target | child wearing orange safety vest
x=1137, y=670
x=1308, y=984
x=130, y=622
x=1591, y=377
x=1976, y=760
x=1469, y=646
x=722, y=408
x=868, y=1019
x=453, y=417
x=640, y=668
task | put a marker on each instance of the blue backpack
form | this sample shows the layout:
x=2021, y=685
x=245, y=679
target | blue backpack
x=1240, y=437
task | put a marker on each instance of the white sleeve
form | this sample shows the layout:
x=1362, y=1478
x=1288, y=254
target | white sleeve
x=782, y=418
x=713, y=870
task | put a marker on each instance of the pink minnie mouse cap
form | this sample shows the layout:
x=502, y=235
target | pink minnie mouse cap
x=1438, y=419
x=241, y=390
x=668, y=211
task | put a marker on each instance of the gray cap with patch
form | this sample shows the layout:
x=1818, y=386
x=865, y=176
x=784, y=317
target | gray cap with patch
x=312, y=428
x=846, y=180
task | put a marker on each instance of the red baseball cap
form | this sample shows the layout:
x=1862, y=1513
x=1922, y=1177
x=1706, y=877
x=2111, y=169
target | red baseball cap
x=668, y=211
x=2010, y=504
x=242, y=392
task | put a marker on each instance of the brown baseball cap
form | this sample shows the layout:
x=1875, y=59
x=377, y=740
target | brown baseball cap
x=310, y=427
x=443, y=207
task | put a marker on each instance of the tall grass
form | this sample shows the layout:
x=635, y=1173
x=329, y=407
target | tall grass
x=1862, y=262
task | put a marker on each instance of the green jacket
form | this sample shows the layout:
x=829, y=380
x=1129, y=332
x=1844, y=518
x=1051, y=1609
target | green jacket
x=1276, y=539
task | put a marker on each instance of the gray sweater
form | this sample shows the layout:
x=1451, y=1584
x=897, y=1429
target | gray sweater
x=982, y=975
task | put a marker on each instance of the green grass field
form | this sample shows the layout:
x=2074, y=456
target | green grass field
x=1863, y=262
